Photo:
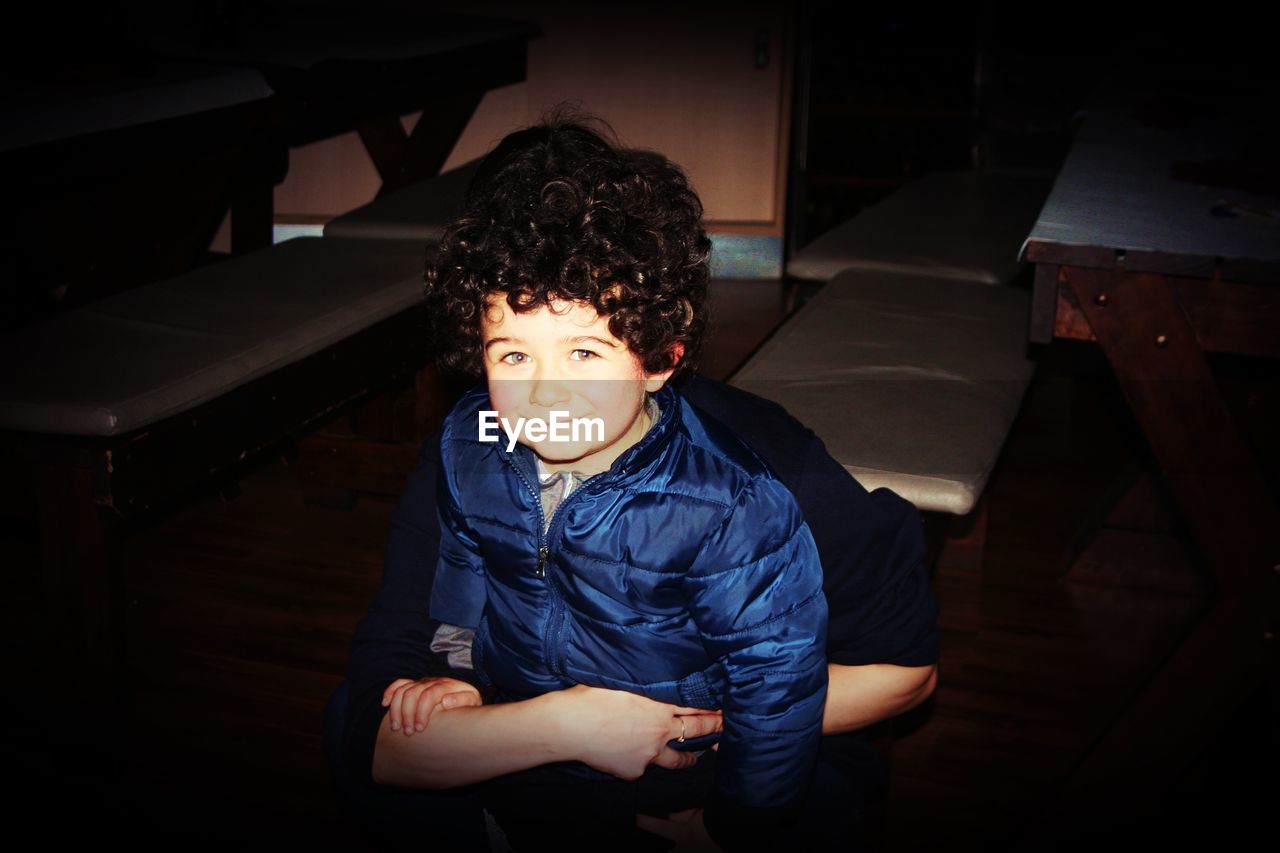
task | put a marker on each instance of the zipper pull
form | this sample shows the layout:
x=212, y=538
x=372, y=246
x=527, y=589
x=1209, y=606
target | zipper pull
x=542, y=561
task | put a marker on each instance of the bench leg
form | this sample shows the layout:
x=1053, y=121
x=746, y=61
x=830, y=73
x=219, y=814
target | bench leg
x=954, y=554
x=84, y=586
x=380, y=452
x=965, y=540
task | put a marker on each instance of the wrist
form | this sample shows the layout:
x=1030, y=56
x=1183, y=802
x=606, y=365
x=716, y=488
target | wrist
x=550, y=721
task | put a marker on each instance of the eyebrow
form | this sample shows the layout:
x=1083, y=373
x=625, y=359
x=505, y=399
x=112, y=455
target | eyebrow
x=578, y=339
x=493, y=341
x=586, y=339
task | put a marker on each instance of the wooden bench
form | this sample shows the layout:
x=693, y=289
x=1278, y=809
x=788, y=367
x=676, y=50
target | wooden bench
x=418, y=212
x=961, y=226
x=129, y=402
x=375, y=448
x=912, y=382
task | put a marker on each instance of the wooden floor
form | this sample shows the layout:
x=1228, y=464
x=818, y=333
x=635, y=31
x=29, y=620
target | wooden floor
x=241, y=612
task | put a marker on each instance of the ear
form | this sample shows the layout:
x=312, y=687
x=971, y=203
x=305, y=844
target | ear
x=655, y=381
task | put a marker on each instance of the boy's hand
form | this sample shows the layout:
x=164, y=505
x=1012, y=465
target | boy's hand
x=413, y=702
x=623, y=733
x=686, y=829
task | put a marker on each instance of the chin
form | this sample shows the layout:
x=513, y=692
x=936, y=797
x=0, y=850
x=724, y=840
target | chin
x=560, y=452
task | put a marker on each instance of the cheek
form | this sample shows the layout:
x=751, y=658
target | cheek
x=506, y=395
x=620, y=397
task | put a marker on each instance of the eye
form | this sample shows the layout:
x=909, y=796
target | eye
x=582, y=355
x=514, y=358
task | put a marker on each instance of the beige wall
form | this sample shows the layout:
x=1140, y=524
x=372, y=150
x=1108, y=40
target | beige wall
x=678, y=78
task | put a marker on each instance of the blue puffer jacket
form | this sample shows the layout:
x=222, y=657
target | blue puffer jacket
x=684, y=573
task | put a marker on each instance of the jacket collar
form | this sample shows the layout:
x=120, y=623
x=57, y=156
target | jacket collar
x=635, y=458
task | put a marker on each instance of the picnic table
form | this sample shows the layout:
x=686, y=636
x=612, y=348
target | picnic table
x=1160, y=243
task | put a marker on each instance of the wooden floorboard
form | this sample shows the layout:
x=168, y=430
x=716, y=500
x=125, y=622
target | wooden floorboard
x=242, y=611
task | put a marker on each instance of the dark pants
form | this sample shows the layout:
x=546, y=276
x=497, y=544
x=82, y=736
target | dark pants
x=448, y=820
x=549, y=808
x=545, y=805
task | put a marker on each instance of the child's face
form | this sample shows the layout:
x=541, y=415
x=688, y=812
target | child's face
x=565, y=359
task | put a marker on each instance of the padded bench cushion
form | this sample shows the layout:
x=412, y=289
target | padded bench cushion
x=418, y=212
x=911, y=382
x=957, y=225
x=135, y=358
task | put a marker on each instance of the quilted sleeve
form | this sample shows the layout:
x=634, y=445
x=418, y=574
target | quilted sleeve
x=458, y=595
x=755, y=592
x=394, y=639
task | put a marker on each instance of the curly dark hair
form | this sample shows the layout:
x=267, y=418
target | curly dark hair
x=558, y=212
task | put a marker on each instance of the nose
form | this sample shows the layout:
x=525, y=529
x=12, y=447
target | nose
x=548, y=390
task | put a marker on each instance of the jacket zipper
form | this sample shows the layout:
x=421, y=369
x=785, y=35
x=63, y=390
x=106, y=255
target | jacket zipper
x=556, y=617
x=544, y=527
x=553, y=640
x=556, y=628
x=541, y=571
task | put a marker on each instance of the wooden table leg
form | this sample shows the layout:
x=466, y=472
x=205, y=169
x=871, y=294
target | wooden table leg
x=1233, y=518
x=403, y=158
x=1172, y=394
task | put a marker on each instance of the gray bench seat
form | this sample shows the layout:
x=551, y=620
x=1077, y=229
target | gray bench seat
x=418, y=212
x=967, y=226
x=129, y=403
x=912, y=382
x=146, y=354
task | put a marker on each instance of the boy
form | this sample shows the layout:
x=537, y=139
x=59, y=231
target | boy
x=640, y=546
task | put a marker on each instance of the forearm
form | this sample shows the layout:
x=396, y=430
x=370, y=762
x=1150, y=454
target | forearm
x=858, y=696
x=461, y=746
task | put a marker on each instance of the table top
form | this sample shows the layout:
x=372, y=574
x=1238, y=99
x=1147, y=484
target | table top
x=158, y=90
x=334, y=68
x=311, y=36
x=1175, y=168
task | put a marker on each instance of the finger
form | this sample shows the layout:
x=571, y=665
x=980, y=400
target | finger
x=675, y=759
x=428, y=700
x=412, y=697
x=427, y=695
x=393, y=712
x=462, y=699
x=392, y=688
x=697, y=725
